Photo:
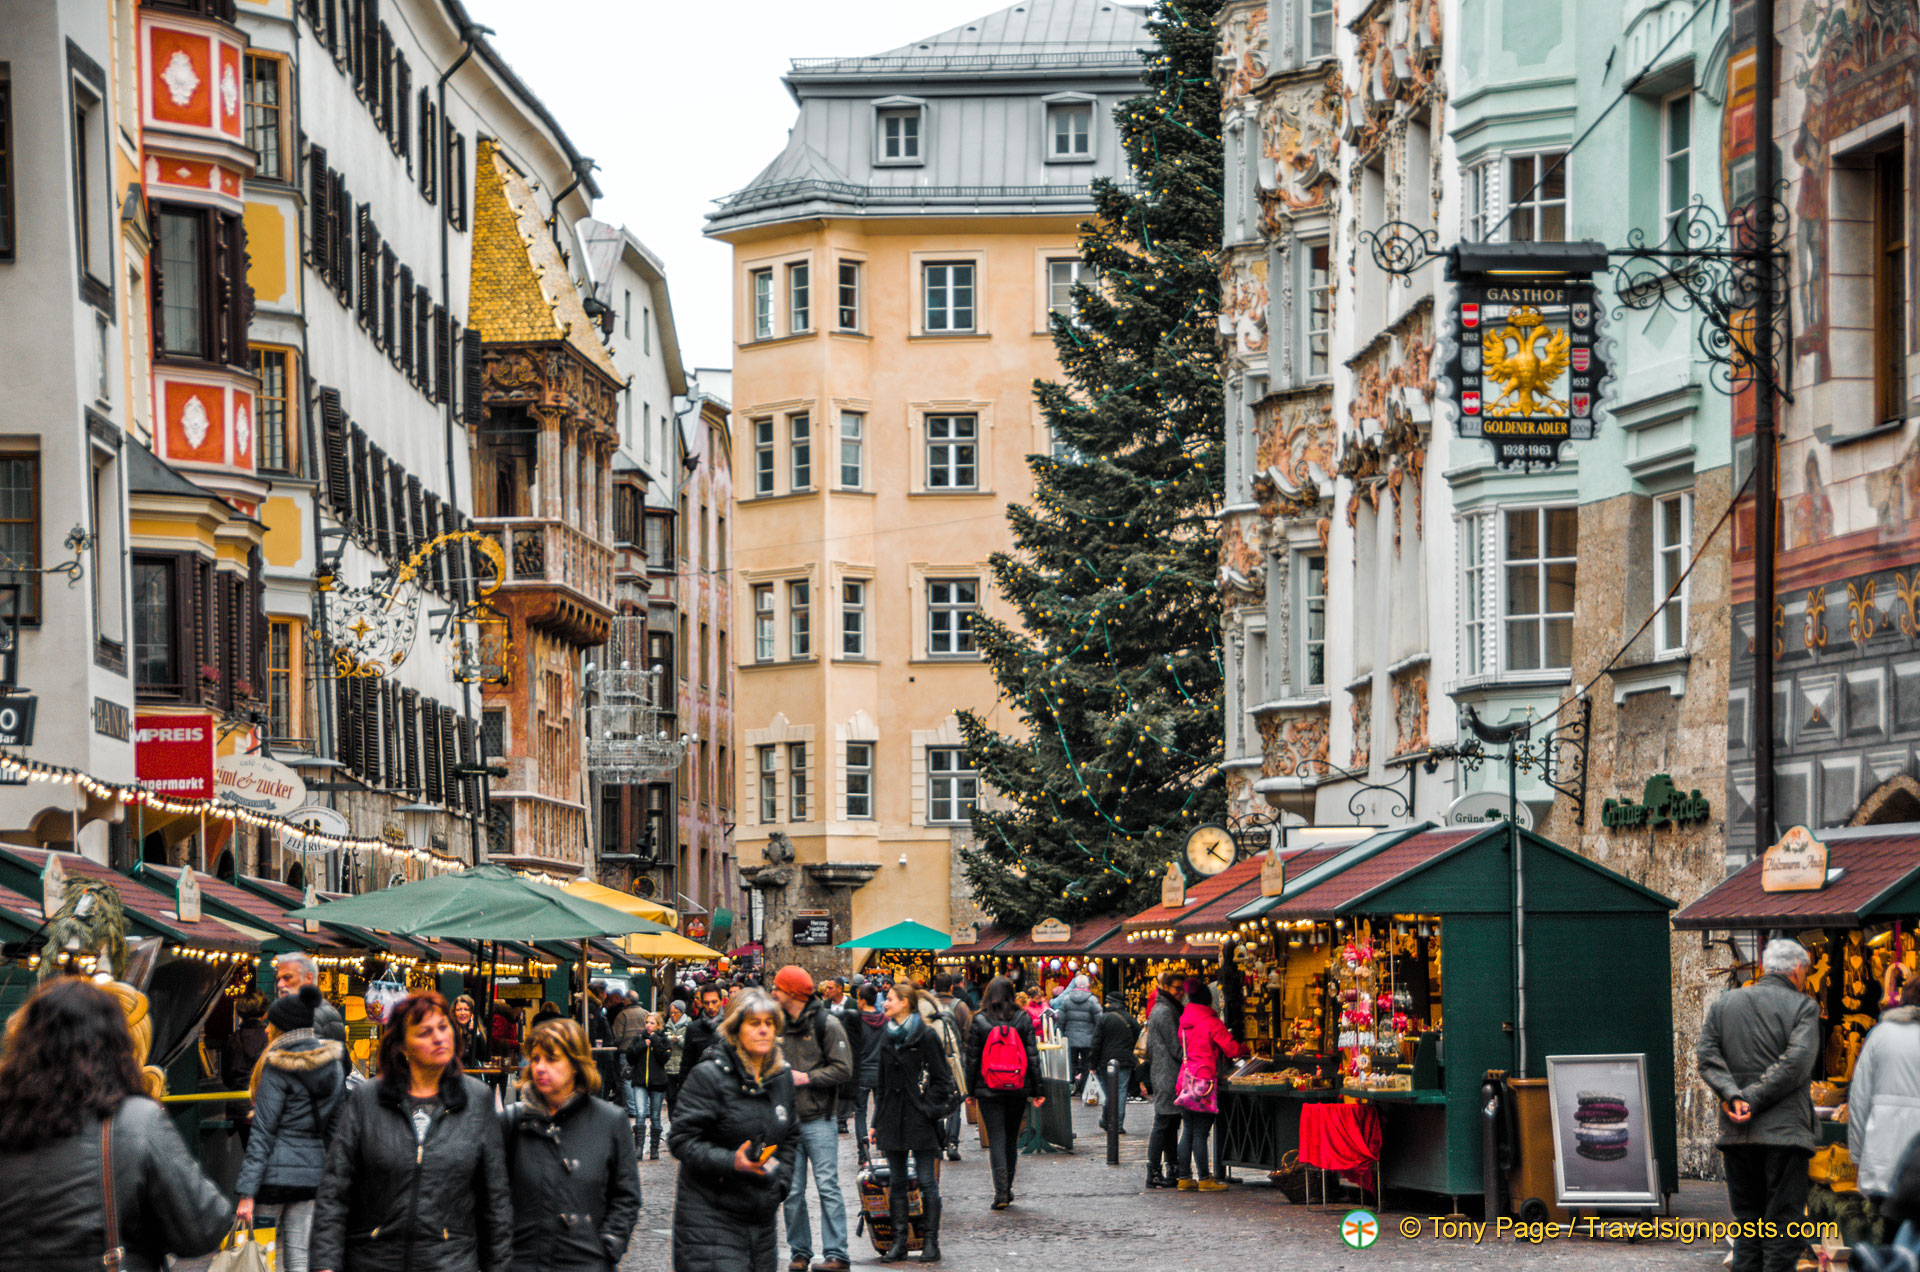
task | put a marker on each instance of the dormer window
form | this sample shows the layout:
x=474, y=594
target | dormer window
x=899, y=131
x=1069, y=128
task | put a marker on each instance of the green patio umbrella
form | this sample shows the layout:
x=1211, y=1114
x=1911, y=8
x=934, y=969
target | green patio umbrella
x=486, y=903
x=901, y=936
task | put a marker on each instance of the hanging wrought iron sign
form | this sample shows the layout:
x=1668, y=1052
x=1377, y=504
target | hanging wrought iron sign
x=1525, y=360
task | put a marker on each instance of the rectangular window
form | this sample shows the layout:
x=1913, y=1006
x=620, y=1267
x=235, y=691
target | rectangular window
x=848, y=300
x=1540, y=564
x=799, y=619
x=859, y=780
x=1481, y=200
x=769, y=785
x=183, y=265
x=1313, y=620
x=1672, y=542
x=853, y=427
x=1319, y=311
x=91, y=190
x=264, y=117
x=763, y=622
x=949, y=297
x=1070, y=130
x=800, y=450
x=1538, y=183
x=20, y=530
x=853, y=619
x=156, y=655
x=797, y=780
x=1473, y=600
x=1676, y=166
x=900, y=135
x=762, y=287
x=274, y=412
x=799, y=298
x=283, y=679
x=6, y=163
x=1062, y=274
x=952, y=787
x=763, y=456
x=1318, y=28
x=951, y=452
x=1890, y=206
x=951, y=605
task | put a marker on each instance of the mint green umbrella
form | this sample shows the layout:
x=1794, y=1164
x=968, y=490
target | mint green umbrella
x=486, y=903
x=901, y=936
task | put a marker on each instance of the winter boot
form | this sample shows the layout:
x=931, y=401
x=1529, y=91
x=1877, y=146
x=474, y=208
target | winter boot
x=654, y=1152
x=930, y=1247
x=897, y=1212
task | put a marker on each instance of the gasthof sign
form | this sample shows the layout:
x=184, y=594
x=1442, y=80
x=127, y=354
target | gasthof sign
x=1524, y=363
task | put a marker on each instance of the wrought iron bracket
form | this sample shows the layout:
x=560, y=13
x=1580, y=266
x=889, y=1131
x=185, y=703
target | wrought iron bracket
x=1399, y=809
x=1557, y=758
x=1401, y=247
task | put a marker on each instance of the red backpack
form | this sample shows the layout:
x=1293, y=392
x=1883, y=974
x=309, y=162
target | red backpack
x=1003, y=1060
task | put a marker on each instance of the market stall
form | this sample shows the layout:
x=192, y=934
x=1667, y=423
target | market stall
x=1852, y=897
x=977, y=958
x=1400, y=955
x=904, y=951
x=1051, y=953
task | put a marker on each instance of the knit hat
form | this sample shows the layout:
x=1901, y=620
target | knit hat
x=681, y=1003
x=1081, y=982
x=295, y=1011
x=793, y=979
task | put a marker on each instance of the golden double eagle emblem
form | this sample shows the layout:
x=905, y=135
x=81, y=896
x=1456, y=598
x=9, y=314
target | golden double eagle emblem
x=1524, y=371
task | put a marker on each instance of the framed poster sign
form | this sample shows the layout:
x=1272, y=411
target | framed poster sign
x=1602, y=1144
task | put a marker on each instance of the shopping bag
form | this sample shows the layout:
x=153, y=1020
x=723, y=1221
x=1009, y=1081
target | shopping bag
x=242, y=1252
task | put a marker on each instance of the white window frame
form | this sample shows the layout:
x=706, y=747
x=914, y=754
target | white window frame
x=950, y=618
x=763, y=462
x=909, y=144
x=1308, y=311
x=1480, y=199
x=943, y=278
x=799, y=297
x=1316, y=14
x=1541, y=617
x=1475, y=630
x=1670, y=558
x=799, y=619
x=800, y=451
x=1306, y=645
x=1524, y=200
x=760, y=301
x=763, y=628
x=953, y=790
x=1059, y=294
x=1080, y=144
x=847, y=281
x=859, y=781
x=1674, y=203
x=853, y=618
x=769, y=772
x=797, y=788
x=953, y=451
x=853, y=450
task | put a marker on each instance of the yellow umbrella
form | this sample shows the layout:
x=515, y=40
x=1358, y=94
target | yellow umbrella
x=626, y=903
x=665, y=945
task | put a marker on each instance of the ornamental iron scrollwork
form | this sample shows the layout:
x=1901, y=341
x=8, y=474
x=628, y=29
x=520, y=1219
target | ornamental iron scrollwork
x=371, y=630
x=1557, y=759
x=1401, y=247
x=1712, y=266
x=1400, y=807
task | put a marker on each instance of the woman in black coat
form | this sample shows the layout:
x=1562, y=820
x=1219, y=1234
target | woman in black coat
x=576, y=1188
x=914, y=1094
x=1001, y=1099
x=736, y=1136
x=416, y=1177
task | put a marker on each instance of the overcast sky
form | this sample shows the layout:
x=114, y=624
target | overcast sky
x=681, y=104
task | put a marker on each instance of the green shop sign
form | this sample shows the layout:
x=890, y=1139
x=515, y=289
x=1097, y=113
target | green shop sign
x=1662, y=804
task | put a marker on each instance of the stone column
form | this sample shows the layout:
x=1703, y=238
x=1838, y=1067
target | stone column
x=789, y=889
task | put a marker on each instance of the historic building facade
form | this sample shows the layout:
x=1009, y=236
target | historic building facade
x=894, y=269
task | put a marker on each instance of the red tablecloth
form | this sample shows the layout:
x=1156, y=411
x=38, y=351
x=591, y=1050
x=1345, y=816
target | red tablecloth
x=1342, y=1137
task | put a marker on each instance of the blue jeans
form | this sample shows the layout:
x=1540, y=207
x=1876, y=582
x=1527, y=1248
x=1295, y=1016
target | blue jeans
x=819, y=1144
x=650, y=1103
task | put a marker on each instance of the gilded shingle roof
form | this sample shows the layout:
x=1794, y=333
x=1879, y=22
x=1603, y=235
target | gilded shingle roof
x=521, y=289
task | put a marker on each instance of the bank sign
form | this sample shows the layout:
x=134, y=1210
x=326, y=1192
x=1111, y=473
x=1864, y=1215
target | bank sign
x=1524, y=358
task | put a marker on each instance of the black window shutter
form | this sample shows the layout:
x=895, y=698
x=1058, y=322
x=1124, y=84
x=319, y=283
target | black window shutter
x=434, y=576
x=402, y=101
x=410, y=722
x=344, y=748
x=377, y=481
x=405, y=321
x=442, y=354
x=389, y=272
x=319, y=187
x=429, y=137
x=460, y=180
x=473, y=376
x=448, y=782
x=397, y=497
x=361, y=520
x=383, y=85
x=416, y=515
x=340, y=241
x=467, y=790
x=431, y=726
x=333, y=440
x=423, y=339
x=363, y=258
x=370, y=755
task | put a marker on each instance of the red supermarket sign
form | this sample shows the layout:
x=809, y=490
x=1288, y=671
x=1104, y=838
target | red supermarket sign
x=174, y=754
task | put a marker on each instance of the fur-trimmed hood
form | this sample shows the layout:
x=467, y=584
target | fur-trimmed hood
x=1900, y=1016
x=300, y=1051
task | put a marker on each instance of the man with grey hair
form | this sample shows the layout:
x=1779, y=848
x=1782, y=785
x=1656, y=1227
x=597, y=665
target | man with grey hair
x=1757, y=1053
x=290, y=972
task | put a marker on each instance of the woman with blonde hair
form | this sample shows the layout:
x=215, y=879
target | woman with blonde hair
x=576, y=1189
x=735, y=1136
x=648, y=1054
x=297, y=1087
x=71, y=1088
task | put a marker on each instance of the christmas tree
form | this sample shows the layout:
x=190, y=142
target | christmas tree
x=1114, y=669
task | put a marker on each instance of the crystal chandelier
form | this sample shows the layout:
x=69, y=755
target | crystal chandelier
x=627, y=741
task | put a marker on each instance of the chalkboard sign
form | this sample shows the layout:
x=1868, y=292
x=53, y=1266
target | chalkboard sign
x=813, y=929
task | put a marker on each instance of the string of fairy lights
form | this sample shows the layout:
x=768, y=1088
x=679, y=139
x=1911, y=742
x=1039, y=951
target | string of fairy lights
x=1185, y=347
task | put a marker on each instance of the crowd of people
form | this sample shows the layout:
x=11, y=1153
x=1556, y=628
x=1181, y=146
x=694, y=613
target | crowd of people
x=422, y=1165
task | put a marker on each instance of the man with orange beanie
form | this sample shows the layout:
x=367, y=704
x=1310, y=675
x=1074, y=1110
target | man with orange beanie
x=816, y=1048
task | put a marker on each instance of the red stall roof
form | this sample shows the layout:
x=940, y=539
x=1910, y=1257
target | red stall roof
x=146, y=907
x=1327, y=898
x=1875, y=869
x=1198, y=894
x=988, y=941
x=1085, y=935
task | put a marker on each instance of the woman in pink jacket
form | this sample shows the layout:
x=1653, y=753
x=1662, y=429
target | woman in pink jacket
x=1203, y=1040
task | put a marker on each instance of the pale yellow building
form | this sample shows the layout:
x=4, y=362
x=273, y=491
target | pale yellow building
x=894, y=269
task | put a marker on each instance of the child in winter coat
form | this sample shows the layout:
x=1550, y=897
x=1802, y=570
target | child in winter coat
x=1203, y=1039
